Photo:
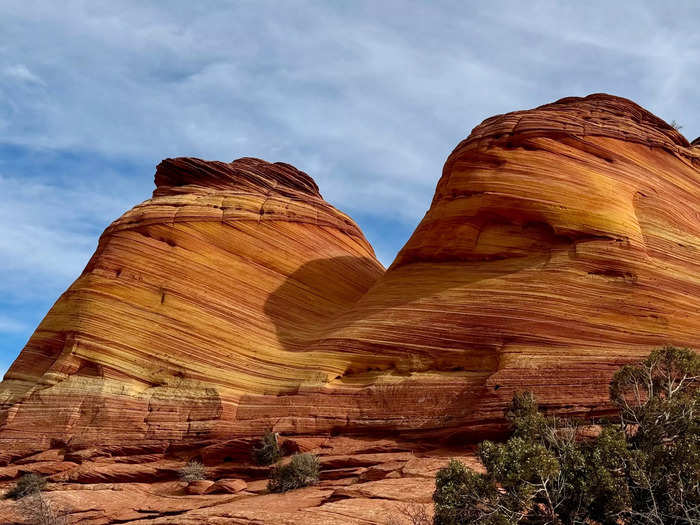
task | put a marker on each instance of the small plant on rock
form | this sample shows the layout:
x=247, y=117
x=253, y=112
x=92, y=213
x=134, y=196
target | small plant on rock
x=40, y=511
x=410, y=514
x=28, y=484
x=301, y=471
x=192, y=471
x=269, y=451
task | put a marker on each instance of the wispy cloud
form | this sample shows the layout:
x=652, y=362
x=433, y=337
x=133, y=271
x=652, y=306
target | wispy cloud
x=46, y=235
x=50, y=222
x=367, y=97
x=366, y=92
x=21, y=73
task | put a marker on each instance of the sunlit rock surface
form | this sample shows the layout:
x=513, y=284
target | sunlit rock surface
x=211, y=289
x=363, y=482
x=561, y=242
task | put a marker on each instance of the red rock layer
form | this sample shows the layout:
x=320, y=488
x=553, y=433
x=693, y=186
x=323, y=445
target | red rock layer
x=561, y=243
x=362, y=482
x=210, y=289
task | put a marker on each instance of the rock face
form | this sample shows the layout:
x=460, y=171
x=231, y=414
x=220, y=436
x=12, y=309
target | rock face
x=212, y=288
x=561, y=243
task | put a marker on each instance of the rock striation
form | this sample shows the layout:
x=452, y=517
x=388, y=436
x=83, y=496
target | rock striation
x=210, y=289
x=561, y=242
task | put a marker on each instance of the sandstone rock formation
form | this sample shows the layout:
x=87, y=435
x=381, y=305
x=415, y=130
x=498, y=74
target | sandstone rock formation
x=210, y=289
x=561, y=242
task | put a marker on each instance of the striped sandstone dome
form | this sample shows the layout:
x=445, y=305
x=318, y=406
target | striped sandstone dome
x=561, y=242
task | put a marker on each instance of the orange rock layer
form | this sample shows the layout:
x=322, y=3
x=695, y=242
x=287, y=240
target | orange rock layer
x=561, y=243
x=207, y=291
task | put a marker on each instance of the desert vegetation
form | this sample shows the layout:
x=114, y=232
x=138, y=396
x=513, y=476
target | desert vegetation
x=268, y=451
x=641, y=469
x=32, y=503
x=40, y=511
x=410, y=514
x=193, y=471
x=26, y=485
x=301, y=471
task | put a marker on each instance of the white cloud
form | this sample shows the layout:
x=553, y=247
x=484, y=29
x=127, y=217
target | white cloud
x=22, y=73
x=47, y=234
x=389, y=86
x=368, y=97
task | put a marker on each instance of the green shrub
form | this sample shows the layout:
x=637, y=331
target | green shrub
x=463, y=496
x=301, y=471
x=192, y=471
x=29, y=483
x=659, y=401
x=644, y=470
x=269, y=451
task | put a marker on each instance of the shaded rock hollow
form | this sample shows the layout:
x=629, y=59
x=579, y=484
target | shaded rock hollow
x=561, y=243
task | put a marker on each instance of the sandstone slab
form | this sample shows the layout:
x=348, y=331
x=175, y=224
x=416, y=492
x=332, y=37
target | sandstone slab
x=227, y=486
x=198, y=487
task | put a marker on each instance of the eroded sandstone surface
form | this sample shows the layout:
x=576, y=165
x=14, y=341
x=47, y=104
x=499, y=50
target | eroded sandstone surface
x=561, y=243
x=208, y=291
x=363, y=481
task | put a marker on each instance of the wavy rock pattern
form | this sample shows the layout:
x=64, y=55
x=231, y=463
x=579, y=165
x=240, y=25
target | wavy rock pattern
x=561, y=242
x=210, y=289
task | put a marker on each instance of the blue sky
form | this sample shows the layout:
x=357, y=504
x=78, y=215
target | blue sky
x=367, y=97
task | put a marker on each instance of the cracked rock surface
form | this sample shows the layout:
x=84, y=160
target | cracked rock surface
x=402, y=476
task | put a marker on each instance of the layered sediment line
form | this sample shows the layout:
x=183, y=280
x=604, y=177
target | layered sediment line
x=561, y=242
x=210, y=290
